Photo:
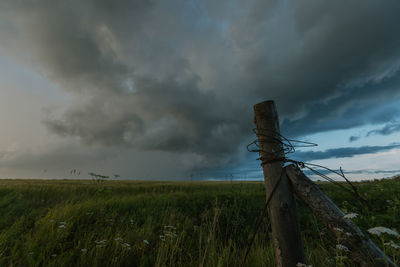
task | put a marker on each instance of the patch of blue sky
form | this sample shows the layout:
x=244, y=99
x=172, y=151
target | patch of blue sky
x=367, y=166
x=128, y=84
x=340, y=138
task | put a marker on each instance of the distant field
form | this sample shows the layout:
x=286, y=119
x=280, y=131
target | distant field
x=121, y=223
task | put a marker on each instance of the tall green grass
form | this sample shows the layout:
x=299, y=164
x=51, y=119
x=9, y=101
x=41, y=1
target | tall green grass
x=118, y=223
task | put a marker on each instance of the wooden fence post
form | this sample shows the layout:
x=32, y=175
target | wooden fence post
x=282, y=208
x=361, y=249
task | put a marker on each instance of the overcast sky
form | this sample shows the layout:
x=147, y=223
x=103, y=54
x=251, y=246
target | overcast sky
x=165, y=89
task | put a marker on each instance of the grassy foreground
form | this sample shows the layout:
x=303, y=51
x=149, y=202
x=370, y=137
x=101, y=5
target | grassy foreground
x=119, y=223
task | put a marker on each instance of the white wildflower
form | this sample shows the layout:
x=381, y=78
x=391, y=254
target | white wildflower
x=146, y=242
x=54, y=255
x=380, y=230
x=342, y=247
x=299, y=264
x=63, y=223
x=118, y=239
x=392, y=244
x=100, y=242
x=338, y=229
x=350, y=216
x=61, y=226
x=126, y=244
x=84, y=250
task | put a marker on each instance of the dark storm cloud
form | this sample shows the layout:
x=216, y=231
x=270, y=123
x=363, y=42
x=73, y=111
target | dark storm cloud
x=342, y=152
x=182, y=76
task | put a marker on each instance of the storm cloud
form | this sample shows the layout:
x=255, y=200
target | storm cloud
x=342, y=152
x=182, y=76
x=389, y=128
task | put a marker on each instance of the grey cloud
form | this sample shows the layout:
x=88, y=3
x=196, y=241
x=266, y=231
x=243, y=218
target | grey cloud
x=353, y=138
x=196, y=68
x=388, y=129
x=372, y=171
x=343, y=152
x=367, y=172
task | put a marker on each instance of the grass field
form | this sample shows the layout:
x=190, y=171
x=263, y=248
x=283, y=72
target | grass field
x=120, y=223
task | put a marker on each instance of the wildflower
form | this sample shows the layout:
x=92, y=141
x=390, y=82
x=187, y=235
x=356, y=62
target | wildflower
x=380, y=230
x=342, y=247
x=392, y=244
x=338, y=229
x=84, y=250
x=61, y=226
x=54, y=255
x=146, y=242
x=63, y=223
x=126, y=244
x=350, y=216
x=100, y=242
x=118, y=239
x=299, y=264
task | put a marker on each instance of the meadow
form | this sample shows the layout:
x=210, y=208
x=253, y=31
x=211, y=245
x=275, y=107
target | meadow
x=132, y=223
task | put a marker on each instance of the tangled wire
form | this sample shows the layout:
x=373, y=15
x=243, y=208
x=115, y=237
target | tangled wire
x=288, y=146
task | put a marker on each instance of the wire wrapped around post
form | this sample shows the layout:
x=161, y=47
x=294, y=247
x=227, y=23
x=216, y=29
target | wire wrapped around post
x=282, y=207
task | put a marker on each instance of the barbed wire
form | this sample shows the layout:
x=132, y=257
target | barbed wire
x=289, y=146
x=262, y=213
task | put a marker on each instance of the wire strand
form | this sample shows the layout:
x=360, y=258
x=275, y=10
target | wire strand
x=289, y=146
x=262, y=213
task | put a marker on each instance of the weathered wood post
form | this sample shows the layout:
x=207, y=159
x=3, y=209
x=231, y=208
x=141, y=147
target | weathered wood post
x=282, y=208
x=361, y=249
